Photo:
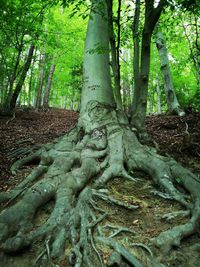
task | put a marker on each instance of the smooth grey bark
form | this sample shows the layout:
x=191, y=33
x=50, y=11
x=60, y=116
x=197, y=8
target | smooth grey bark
x=96, y=69
x=22, y=78
x=48, y=87
x=172, y=101
x=115, y=53
x=139, y=111
x=158, y=95
x=41, y=80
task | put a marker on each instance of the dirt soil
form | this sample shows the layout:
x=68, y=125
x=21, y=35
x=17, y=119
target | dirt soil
x=175, y=136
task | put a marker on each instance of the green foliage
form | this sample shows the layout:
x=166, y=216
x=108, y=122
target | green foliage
x=58, y=28
x=56, y=34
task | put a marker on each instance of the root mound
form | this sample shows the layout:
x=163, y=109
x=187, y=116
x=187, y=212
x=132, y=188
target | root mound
x=73, y=173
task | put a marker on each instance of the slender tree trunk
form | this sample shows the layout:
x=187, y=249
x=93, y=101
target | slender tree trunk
x=151, y=99
x=14, y=74
x=125, y=81
x=158, y=95
x=115, y=55
x=172, y=101
x=48, y=87
x=12, y=79
x=31, y=78
x=141, y=92
x=22, y=78
x=39, y=90
x=139, y=111
x=136, y=56
x=194, y=54
x=30, y=89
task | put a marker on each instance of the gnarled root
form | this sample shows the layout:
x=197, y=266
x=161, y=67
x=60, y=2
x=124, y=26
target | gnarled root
x=71, y=171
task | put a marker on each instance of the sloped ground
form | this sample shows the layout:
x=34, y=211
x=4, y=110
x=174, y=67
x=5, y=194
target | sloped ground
x=27, y=129
x=177, y=137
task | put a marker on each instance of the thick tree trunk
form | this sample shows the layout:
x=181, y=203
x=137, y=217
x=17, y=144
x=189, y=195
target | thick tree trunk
x=172, y=101
x=22, y=78
x=41, y=80
x=96, y=69
x=48, y=87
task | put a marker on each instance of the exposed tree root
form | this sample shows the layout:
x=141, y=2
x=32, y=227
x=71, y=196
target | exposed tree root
x=71, y=171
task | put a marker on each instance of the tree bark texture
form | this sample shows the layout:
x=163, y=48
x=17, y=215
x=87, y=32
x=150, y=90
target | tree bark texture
x=48, y=87
x=172, y=101
x=96, y=77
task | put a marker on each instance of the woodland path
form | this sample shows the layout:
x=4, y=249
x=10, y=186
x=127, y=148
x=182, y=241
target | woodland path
x=31, y=128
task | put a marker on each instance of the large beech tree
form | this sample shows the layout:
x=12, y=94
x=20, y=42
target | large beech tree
x=74, y=171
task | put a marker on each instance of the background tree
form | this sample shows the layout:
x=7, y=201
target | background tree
x=152, y=15
x=20, y=22
x=172, y=101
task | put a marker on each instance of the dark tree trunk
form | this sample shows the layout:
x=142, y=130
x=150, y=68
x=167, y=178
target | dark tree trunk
x=14, y=74
x=22, y=78
x=141, y=91
x=136, y=57
x=115, y=52
x=12, y=79
x=48, y=87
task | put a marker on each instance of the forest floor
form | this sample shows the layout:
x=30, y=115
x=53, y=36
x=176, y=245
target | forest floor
x=177, y=137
